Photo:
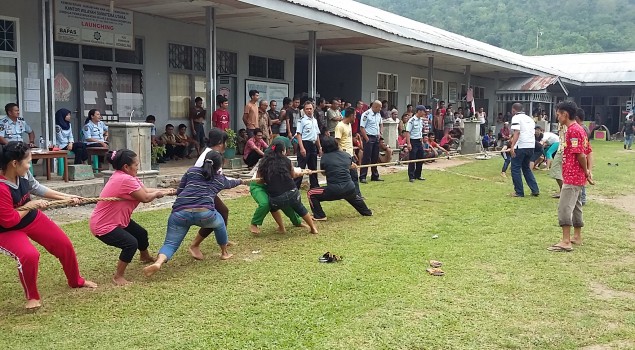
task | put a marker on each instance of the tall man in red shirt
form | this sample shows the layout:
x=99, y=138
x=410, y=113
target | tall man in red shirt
x=220, y=117
x=575, y=174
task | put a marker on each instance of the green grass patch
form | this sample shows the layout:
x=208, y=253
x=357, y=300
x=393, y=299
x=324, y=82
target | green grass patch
x=502, y=289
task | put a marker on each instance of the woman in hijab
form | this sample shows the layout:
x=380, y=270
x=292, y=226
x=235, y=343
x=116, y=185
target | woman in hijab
x=64, y=136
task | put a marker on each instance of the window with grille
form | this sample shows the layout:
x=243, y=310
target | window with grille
x=437, y=89
x=179, y=56
x=387, y=87
x=200, y=59
x=479, y=92
x=263, y=67
x=226, y=62
x=418, y=90
x=8, y=36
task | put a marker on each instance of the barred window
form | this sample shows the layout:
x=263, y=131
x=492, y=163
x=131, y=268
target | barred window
x=200, y=59
x=180, y=56
x=275, y=69
x=8, y=37
x=264, y=67
x=226, y=62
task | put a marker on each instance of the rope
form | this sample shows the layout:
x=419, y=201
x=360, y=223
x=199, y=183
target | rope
x=83, y=201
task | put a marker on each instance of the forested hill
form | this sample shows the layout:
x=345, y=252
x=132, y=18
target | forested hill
x=567, y=26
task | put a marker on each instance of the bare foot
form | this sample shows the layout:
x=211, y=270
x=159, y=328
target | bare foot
x=302, y=225
x=196, y=253
x=314, y=231
x=226, y=256
x=151, y=270
x=576, y=241
x=281, y=229
x=503, y=175
x=120, y=281
x=254, y=229
x=89, y=284
x=33, y=304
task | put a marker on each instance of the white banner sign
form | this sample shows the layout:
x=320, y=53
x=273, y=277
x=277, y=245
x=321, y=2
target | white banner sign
x=81, y=23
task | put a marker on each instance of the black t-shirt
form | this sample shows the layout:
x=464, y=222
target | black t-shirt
x=274, y=115
x=280, y=183
x=336, y=166
x=293, y=114
x=628, y=127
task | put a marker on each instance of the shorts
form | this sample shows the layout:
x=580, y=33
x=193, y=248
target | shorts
x=556, y=167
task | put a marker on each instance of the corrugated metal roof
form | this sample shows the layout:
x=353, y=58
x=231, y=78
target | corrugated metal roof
x=535, y=83
x=410, y=29
x=594, y=68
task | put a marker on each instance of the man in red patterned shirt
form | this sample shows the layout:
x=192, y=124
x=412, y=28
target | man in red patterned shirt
x=575, y=174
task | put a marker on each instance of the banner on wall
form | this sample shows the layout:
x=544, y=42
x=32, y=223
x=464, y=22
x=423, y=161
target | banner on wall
x=267, y=90
x=89, y=24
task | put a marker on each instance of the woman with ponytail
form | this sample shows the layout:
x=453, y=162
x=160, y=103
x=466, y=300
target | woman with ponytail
x=194, y=205
x=110, y=222
x=18, y=226
x=277, y=172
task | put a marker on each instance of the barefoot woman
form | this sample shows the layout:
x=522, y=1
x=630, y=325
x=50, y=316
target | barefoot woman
x=111, y=222
x=16, y=227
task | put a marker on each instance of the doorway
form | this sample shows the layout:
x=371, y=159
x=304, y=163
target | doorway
x=66, y=82
x=227, y=88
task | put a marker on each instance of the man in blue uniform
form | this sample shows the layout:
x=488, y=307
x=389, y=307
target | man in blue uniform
x=307, y=134
x=414, y=136
x=370, y=130
x=12, y=126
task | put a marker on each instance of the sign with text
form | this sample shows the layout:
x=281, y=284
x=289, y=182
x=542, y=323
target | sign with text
x=88, y=24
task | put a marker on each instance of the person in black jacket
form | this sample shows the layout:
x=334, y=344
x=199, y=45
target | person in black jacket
x=339, y=185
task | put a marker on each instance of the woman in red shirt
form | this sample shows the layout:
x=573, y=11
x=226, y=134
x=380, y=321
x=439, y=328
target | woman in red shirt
x=16, y=227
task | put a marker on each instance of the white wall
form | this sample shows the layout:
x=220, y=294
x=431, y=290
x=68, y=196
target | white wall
x=371, y=66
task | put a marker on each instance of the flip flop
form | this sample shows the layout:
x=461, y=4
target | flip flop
x=435, y=264
x=558, y=249
x=555, y=195
x=435, y=271
x=329, y=258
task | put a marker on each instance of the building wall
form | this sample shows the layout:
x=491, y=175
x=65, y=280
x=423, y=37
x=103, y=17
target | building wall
x=337, y=76
x=30, y=45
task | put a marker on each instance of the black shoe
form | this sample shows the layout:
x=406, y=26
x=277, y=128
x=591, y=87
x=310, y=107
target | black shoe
x=363, y=181
x=536, y=194
x=412, y=180
x=421, y=178
x=376, y=179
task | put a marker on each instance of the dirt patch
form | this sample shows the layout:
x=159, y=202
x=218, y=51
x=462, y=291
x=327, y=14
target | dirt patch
x=619, y=344
x=603, y=292
x=623, y=202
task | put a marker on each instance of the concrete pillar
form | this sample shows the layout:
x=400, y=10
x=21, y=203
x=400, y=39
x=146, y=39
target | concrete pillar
x=312, y=64
x=468, y=76
x=472, y=138
x=430, y=81
x=210, y=30
x=135, y=137
x=389, y=132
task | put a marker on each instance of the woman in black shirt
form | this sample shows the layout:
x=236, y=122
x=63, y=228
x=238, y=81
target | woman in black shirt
x=339, y=185
x=277, y=172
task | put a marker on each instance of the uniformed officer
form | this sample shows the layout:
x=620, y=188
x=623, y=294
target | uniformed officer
x=414, y=139
x=307, y=133
x=370, y=129
x=12, y=126
x=95, y=131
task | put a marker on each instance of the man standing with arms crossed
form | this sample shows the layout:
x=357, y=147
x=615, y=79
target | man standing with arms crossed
x=414, y=136
x=522, y=148
x=370, y=130
x=308, y=135
x=344, y=138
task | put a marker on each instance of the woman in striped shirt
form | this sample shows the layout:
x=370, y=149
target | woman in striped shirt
x=194, y=205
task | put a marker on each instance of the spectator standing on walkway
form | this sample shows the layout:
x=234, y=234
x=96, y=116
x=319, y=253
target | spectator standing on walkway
x=522, y=148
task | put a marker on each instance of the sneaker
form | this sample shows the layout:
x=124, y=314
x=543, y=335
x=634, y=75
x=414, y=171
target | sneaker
x=412, y=180
x=421, y=178
x=363, y=181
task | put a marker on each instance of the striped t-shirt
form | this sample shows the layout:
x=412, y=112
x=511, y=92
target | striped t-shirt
x=196, y=192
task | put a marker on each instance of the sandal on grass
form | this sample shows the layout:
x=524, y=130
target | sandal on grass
x=435, y=264
x=329, y=258
x=557, y=248
x=435, y=271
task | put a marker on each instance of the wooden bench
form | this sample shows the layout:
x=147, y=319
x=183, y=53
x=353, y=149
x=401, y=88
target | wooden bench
x=48, y=156
x=93, y=157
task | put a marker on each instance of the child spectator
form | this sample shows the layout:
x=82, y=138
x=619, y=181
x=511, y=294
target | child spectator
x=506, y=154
x=220, y=117
x=174, y=149
x=110, y=222
x=385, y=152
x=489, y=141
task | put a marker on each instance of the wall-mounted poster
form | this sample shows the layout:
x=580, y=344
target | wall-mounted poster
x=90, y=24
x=268, y=90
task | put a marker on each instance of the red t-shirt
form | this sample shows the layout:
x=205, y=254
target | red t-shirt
x=107, y=216
x=576, y=142
x=220, y=119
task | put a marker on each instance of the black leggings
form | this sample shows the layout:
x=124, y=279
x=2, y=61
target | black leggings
x=129, y=239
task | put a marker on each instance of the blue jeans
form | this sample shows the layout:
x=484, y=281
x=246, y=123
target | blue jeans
x=180, y=222
x=521, y=163
x=628, y=141
x=506, y=162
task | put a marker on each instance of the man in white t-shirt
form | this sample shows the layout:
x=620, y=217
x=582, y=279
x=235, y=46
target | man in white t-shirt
x=522, y=147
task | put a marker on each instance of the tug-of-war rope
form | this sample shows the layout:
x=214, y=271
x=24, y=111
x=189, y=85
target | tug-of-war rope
x=172, y=192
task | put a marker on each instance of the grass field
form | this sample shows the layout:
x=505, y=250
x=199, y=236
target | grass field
x=502, y=288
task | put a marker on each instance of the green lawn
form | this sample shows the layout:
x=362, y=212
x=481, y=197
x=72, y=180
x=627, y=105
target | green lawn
x=502, y=288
